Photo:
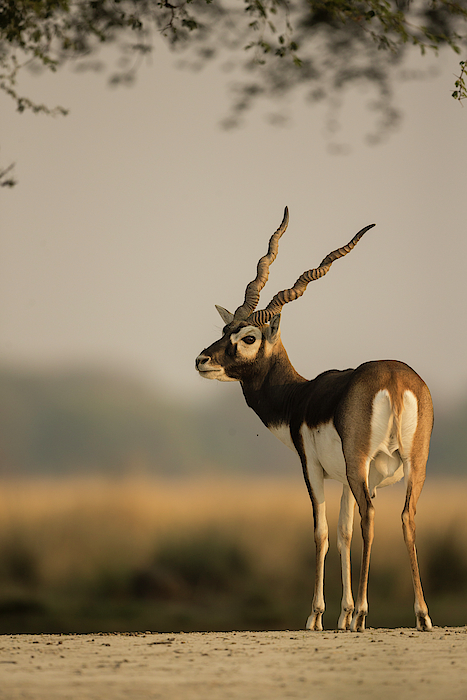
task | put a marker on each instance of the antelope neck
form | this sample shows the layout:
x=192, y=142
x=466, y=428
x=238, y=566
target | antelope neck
x=271, y=394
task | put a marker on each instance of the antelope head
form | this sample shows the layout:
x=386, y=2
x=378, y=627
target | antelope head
x=249, y=335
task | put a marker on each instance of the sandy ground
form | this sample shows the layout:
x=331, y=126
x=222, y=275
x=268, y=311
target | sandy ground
x=396, y=664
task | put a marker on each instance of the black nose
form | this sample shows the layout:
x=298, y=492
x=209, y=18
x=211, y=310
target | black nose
x=201, y=360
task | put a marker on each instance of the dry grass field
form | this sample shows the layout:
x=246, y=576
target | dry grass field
x=88, y=555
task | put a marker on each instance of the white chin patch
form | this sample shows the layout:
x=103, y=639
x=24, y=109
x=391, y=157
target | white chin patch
x=218, y=374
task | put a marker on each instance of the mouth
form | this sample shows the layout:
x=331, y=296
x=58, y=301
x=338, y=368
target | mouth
x=206, y=372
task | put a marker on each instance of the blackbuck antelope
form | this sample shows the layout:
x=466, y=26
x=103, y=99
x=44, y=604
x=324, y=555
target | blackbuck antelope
x=366, y=427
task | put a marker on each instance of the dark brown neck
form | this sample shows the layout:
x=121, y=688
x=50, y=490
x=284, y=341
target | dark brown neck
x=270, y=392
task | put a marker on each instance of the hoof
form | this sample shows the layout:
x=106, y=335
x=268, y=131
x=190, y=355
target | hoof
x=314, y=622
x=358, y=622
x=424, y=623
x=345, y=620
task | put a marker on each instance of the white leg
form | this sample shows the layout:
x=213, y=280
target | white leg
x=357, y=476
x=315, y=620
x=344, y=538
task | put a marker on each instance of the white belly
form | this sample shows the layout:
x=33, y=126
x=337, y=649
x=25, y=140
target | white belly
x=323, y=449
x=323, y=446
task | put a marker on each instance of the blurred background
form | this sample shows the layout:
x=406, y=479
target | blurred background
x=133, y=494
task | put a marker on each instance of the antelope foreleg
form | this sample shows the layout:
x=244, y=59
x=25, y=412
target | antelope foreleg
x=315, y=620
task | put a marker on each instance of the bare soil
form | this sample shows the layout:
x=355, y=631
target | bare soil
x=379, y=663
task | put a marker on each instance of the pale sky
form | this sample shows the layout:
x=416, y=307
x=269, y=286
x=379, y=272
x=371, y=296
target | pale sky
x=136, y=213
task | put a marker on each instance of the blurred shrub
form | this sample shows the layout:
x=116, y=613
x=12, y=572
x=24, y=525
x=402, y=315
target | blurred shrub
x=18, y=564
x=127, y=555
x=445, y=570
x=199, y=564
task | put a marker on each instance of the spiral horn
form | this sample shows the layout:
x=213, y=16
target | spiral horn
x=262, y=273
x=260, y=318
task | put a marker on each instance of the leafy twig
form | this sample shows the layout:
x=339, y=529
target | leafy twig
x=6, y=179
x=460, y=93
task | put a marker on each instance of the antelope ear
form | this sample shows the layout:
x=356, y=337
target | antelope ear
x=273, y=330
x=225, y=315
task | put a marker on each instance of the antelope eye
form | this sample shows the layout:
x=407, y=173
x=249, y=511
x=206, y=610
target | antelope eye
x=249, y=339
